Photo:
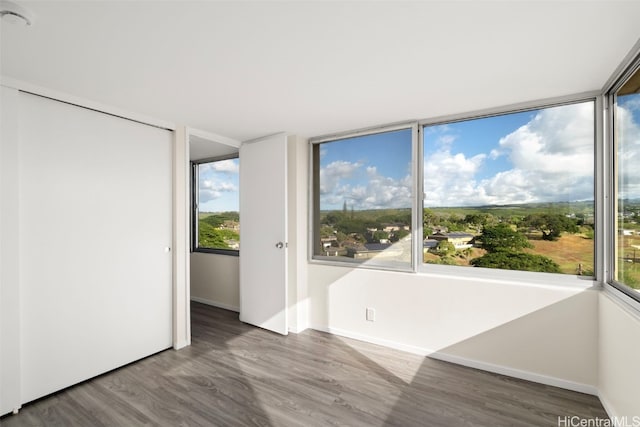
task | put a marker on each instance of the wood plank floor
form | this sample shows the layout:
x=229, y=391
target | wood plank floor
x=238, y=375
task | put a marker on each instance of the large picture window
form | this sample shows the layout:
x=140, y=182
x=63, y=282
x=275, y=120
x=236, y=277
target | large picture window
x=627, y=141
x=512, y=191
x=363, y=199
x=216, y=218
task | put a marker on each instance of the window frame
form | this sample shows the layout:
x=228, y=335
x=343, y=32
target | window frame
x=526, y=276
x=314, y=194
x=615, y=288
x=195, y=164
x=475, y=273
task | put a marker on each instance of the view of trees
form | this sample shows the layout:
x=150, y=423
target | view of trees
x=509, y=260
x=629, y=243
x=550, y=237
x=503, y=238
x=504, y=246
x=372, y=226
x=219, y=230
x=551, y=225
x=509, y=237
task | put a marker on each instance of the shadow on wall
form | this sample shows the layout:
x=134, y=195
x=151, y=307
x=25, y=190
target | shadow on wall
x=538, y=342
x=496, y=401
x=427, y=314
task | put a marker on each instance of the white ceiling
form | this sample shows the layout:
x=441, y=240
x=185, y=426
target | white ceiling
x=201, y=148
x=247, y=69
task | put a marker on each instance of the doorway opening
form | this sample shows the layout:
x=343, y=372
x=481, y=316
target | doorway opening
x=215, y=225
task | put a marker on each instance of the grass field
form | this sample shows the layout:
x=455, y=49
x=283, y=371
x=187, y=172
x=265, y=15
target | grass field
x=629, y=260
x=568, y=252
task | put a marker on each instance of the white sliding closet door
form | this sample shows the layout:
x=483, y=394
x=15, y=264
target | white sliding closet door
x=95, y=237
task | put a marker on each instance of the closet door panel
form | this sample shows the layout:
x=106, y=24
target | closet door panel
x=95, y=237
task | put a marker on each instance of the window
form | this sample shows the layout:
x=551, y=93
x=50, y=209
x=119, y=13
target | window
x=626, y=131
x=363, y=199
x=216, y=218
x=512, y=191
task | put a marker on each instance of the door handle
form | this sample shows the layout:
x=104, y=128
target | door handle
x=279, y=245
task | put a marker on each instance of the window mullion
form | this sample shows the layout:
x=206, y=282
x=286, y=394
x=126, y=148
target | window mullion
x=418, y=196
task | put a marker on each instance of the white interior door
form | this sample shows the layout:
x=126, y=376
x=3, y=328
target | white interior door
x=95, y=236
x=263, y=235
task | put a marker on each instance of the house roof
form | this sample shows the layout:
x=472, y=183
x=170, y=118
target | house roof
x=458, y=235
x=377, y=246
x=429, y=243
x=455, y=235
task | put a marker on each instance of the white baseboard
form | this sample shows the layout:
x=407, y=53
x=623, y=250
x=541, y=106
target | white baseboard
x=516, y=373
x=471, y=363
x=608, y=407
x=373, y=340
x=216, y=304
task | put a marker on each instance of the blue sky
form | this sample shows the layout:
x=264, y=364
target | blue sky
x=367, y=172
x=628, y=138
x=218, y=186
x=527, y=157
x=473, y=137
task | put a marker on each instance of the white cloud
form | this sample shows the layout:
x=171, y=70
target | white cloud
x=332, y=175
x=631, y=103
x=374, y=192
x=226, y=166
x=628, y=136
x=382, y=192
x=446, y=140
x=217, y=178
x=211, y=190
x=551, y=157
x=553, y=139
x=449, y=178
x=494, y=154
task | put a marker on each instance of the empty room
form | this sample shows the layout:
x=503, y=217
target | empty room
x=299, y=213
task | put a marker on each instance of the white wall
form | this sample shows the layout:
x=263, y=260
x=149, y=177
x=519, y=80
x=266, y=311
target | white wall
x=619, y=354
x=541, y=333
x=215, y=280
